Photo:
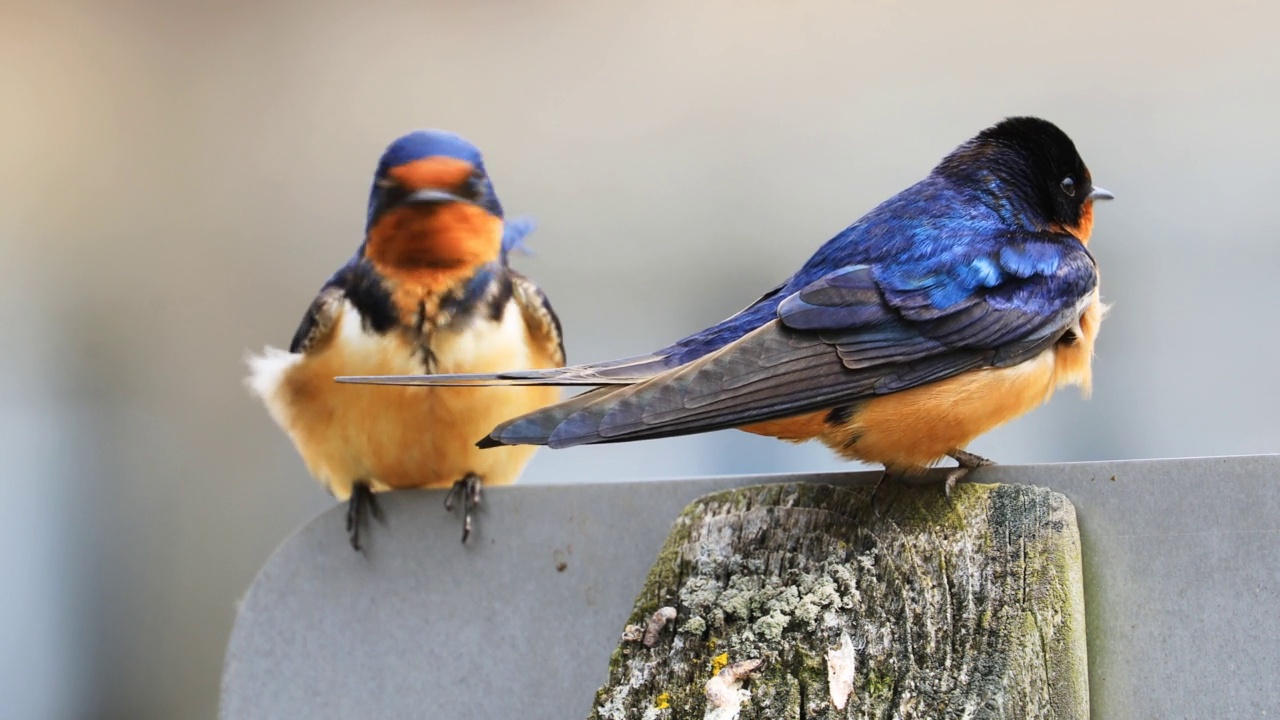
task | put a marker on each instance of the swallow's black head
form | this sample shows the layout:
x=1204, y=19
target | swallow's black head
x=1032, y=167
x=431, y=166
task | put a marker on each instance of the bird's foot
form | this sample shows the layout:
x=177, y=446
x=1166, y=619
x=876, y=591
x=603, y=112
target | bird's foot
x=965, y=462
x=968, y=460
x=360, y=506
x=468, y=491
x=889, y=476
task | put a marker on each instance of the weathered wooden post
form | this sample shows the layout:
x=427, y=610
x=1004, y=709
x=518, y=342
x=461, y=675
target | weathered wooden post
x=971, y=606
x=805, y=601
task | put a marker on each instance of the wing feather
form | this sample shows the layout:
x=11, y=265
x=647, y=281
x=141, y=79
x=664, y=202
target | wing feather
x=539, y=316
x=855, y=333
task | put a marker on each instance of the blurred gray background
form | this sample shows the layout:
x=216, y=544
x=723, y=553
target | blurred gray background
x=179, y=178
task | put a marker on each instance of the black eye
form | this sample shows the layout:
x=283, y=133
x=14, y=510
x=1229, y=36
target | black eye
x=393, y=193
x=475, y=189
x=1069, y=186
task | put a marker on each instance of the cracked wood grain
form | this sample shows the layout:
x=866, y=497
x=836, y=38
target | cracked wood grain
x=929, y=608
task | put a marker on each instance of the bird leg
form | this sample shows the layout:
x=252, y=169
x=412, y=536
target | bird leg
x=965, y=462
x=468, y=490
x=360, y=505
x=884, y=476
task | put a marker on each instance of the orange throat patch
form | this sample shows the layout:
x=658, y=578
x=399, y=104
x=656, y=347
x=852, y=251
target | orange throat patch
x=1083, y=230
x=433, y=247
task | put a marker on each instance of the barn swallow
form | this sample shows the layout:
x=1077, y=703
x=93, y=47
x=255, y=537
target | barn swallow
x=958, y=304
x=429, y=290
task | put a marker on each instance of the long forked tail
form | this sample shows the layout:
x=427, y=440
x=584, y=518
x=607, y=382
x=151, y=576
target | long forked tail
x=617, y=372
x=515, y=377
x=535, y=428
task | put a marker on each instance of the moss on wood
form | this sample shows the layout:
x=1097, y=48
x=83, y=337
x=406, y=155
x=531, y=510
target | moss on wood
x=922, y=607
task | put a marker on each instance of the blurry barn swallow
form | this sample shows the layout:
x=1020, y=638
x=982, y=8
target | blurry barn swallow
x=957, y=305
x=429, y=290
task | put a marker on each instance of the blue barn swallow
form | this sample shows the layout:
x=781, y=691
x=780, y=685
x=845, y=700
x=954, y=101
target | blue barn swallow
x=958, y=304
x=428, y=291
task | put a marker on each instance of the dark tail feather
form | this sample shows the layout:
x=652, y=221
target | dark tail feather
x=506, y=379
x=536, y=427
x=765, y=375
x=617, y=372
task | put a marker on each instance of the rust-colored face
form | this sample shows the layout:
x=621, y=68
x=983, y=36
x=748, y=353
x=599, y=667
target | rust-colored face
x=432, y=173
x=428, y=233
x=433, y=237
x=1082, y=229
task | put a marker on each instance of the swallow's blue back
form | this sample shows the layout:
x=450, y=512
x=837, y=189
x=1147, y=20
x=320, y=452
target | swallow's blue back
x=938, y=239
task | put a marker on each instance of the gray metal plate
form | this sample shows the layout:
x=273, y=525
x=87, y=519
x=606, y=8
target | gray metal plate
x=1182, y=588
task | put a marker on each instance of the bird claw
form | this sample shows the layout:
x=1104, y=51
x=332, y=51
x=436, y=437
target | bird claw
x=968, y=460
x=360, y=505
x=965, y=461
x=468, y=491
x=886, y=475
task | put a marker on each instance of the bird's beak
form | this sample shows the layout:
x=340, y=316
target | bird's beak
x=1100, y=194
x=429, y=197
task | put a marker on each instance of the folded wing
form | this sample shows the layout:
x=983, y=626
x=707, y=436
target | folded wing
x=857, y=332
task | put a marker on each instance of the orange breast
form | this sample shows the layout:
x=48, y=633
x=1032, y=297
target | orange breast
x=911, y=430
x=793, y=429
x=400, y=437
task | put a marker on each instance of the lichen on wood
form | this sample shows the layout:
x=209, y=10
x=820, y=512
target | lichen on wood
x=804, y=601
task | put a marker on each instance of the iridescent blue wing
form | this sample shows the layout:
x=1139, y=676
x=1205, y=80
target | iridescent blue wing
x=854, y=333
